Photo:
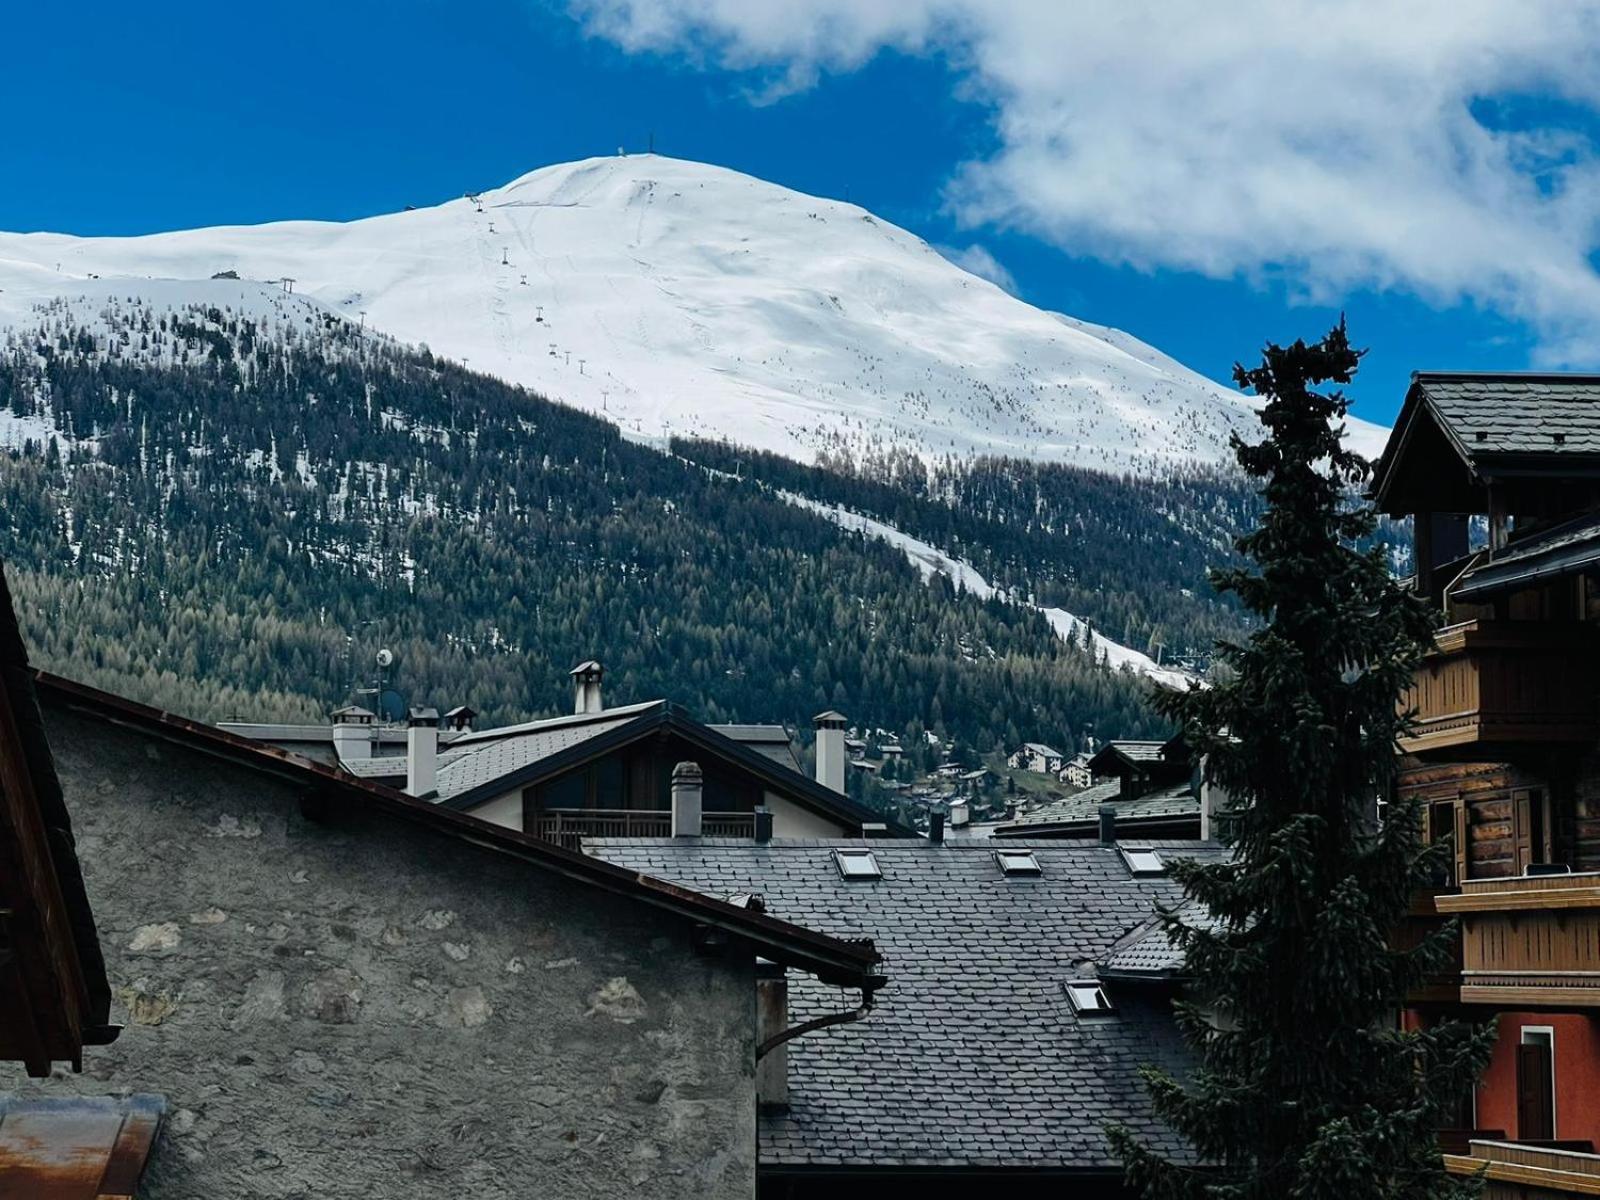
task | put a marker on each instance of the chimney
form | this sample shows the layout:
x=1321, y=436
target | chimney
x=1212, y=801
x=772, y=1018
x=960, y=813
x=586, y=687
x=687, y=783
x=352, y=732
x=422, y=752
x=830, y=750
x=460, y=718
x=936, y=828
x=1108, y=825
x=763, y=823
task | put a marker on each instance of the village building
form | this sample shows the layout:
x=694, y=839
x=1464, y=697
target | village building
x=1035, y=757
x=1505, y=753
x=1076, y=772
x=350, y=992
x=1150, y=789
x=598, y=771
x=1027, y=989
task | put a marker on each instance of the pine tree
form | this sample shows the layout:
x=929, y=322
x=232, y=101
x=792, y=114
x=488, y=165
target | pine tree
x=1304, y=1087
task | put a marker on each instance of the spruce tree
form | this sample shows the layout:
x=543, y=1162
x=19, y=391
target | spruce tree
x=1304, y=1087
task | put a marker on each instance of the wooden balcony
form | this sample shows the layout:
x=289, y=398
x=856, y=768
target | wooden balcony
x=569, y=826
x=1422, y=920
x=1526, y=1171
x=1531, y=940
x=1497, y=685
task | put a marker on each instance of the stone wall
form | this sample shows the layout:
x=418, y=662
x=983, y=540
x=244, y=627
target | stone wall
x=362, y=1007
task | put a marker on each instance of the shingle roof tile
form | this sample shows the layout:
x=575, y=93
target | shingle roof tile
x=972, y=1055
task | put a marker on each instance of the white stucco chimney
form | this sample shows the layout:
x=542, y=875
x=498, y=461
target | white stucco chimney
x=586, y=687
x=1212, y=800
x=422, y=752
x=830, y=749
x=352, y=732
x=687, y=789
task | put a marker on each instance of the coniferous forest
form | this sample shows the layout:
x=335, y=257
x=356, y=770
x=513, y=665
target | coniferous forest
x=227, y=513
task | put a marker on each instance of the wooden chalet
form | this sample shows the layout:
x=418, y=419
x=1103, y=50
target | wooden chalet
x=1500, y=475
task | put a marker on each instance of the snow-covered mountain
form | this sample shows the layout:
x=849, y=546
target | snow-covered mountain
x=685, y=299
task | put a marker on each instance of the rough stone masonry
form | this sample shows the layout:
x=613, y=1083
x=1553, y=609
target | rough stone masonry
x=359, y=1007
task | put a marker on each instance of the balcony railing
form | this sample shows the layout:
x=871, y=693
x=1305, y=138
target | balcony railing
x=1523, y=1169
x=1505, y=683
x=569, y=826
x=1529, y=939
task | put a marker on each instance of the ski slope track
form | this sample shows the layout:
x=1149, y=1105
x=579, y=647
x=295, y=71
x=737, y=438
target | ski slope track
x=681, y=299
x=930, y=560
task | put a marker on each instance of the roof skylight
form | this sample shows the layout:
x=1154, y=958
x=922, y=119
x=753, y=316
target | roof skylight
x=1087, y=997
x=1018, y=862
x=1141, y=860
x=857, y=864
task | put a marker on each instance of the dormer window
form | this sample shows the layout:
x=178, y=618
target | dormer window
x=1141, y=860
x=857, y=864
x=1087, y=997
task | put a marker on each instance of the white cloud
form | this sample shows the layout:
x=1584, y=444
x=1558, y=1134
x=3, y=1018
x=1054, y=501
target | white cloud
x=1330, y=143
x=977, y=260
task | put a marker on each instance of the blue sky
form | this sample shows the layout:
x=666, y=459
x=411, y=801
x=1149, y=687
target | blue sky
x=131, y=119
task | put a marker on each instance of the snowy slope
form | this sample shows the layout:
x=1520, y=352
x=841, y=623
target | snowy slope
x=930, y=560
x=680, y=298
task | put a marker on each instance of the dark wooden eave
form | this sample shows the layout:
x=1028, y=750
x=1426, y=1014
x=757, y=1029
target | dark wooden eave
x=54, y=996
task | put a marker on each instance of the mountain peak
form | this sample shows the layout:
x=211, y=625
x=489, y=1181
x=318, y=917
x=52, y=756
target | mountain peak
x=682, y=298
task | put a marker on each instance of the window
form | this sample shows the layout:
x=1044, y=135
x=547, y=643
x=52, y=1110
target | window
x=1141, y=860
x=1087, y=998
x=1536, y=1084
x=1018, y=862
x=857, y=864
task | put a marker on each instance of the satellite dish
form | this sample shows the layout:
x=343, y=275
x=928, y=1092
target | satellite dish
x=386, y=658
x=392, y=706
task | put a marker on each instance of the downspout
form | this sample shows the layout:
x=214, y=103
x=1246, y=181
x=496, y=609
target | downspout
x=816, y=1023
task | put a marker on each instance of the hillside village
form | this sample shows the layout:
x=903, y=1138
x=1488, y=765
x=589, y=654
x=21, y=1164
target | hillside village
x=824, y=600
x=624, y=947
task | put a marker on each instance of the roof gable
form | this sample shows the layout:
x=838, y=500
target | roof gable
x=1507, y=423
x=662, y=716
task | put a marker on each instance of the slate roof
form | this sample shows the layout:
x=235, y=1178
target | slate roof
x=473, y=763
x=1500, y=420
x=1039, y=748
x=972, y=1056
x=1515, y=413
x=1134, y=752
x=1083, y=808
x=1147, y=952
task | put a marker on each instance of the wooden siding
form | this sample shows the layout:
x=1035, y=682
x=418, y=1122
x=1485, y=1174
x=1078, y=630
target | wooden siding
x=1529, y=940
x=1516, y=1172
x=1492, y=683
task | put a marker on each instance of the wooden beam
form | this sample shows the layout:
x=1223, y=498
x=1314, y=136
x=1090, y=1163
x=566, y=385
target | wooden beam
x=1499, y=519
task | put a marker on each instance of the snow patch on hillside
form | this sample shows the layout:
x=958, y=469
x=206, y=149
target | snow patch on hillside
x=930, y=561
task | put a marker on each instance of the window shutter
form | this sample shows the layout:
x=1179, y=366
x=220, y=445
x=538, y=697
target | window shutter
x=1522, y=829
x=1463, y=858
x=1535, y=1078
